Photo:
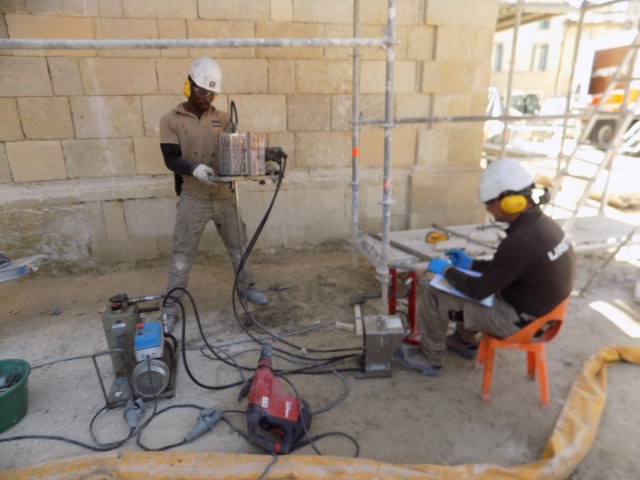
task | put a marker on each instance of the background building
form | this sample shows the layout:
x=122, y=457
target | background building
x=543, y=48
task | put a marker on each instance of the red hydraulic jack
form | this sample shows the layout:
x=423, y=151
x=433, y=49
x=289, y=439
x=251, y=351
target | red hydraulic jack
x=414, y=334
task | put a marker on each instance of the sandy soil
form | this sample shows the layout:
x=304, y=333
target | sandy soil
x=406, y=418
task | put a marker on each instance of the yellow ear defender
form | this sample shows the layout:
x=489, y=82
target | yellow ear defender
x=513, y=202
x=186, y=89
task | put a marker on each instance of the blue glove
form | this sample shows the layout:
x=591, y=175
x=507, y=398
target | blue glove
x=437, y=265
x=459, y=258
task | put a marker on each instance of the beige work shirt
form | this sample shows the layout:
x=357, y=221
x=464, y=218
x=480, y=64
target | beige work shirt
x=198, y=139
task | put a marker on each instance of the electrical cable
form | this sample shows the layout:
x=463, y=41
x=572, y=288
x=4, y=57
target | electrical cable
x=236, y=293
x=236, y=430
x=339, y=400
x=301, y=444
x=311, y=440
x=306, y=365
x=229, y=359
x=68, y=359
x=268, y=467
x=233, y=118
x=155, y=415
x=58, y=438
x=184, y=353
x=99, y=447
x=155, y=404
x=286, y=334
x=211, y=348
x=110, y=445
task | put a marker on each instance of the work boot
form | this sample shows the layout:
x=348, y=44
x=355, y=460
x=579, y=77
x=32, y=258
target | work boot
x=465, y=350
x=254, y=296
x=412, y=357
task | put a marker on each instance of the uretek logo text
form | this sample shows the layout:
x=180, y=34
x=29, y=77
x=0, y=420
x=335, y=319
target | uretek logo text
x=559, y=249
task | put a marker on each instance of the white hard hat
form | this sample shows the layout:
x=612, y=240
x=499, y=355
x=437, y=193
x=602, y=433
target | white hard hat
x=505, y=175
x=205, y=73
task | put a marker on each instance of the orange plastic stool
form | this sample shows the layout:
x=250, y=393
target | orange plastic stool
x=526, y=340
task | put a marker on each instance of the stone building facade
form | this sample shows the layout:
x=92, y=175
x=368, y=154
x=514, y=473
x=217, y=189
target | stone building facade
x=81, y=174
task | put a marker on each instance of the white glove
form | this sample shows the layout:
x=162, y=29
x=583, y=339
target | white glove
x=204, y=174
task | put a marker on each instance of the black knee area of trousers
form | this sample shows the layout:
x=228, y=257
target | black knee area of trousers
x=456, y=316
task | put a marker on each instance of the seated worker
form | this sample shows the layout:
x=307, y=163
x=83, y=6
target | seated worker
x=531, y=272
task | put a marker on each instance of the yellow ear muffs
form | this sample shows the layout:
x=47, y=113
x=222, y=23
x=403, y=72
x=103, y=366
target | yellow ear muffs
x=186, y=88
x=513, y=203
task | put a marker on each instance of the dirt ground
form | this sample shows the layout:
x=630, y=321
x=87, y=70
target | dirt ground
x=55, y=324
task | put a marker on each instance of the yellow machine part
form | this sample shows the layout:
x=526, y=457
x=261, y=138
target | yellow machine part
x=435, y=237
x=572, y=437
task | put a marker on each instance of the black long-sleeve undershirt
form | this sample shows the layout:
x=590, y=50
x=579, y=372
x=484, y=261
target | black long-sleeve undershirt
x=172, y=155
x=173, y=160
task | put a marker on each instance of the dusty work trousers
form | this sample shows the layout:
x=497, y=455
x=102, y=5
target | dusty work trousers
x=192, y=217
x=433, y=320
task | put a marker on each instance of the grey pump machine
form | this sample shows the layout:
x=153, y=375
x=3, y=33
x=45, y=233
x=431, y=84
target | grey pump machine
x=143, y=358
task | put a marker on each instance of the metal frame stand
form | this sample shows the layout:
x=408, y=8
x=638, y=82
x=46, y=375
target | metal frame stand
x=414, y=335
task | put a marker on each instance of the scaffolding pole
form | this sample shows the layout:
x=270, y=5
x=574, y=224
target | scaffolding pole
x=569, y=96
x=472, y=118
x=355, y=138
x=388, y=128
x=105, y=44
x=512, y=64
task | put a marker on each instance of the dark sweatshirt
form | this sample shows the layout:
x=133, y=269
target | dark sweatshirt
x=532, y=269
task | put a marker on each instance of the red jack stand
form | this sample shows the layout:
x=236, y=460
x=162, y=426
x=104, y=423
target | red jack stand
x=414, y=335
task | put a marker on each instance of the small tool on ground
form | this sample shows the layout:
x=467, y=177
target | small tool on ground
x=361, y=297
x=278, y=288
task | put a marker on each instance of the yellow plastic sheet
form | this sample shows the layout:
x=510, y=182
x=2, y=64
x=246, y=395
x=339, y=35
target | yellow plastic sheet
x=570, y=441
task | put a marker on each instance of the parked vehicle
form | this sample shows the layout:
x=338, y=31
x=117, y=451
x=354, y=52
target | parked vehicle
x=531, y=136
x=598, y=61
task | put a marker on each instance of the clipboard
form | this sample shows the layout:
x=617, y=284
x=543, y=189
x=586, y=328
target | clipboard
x=441, y=283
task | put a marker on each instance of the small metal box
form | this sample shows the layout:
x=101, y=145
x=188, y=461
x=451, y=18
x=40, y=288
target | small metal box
x=382, y=335
x=242, y=154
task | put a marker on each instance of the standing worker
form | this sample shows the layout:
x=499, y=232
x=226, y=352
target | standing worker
x=189, y=140
x=531, y=272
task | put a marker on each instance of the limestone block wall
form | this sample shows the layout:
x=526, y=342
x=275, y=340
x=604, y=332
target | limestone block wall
x=81, y=174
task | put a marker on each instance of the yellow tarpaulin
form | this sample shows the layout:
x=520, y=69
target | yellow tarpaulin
x=570, y=441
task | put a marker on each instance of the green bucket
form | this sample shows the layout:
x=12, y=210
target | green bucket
x=13, y=402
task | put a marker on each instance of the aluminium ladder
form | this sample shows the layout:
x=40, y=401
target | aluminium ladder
x=580, y=171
